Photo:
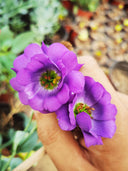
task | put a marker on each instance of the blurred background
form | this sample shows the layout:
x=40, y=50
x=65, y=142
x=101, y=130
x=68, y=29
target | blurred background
x=97, y=28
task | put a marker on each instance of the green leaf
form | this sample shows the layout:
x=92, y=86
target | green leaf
x=3, y=161
x=15, y=162
x=92, y=6
x=21, y=41
x=11, y=133
x=1, y=139
x=38, y=146
x=29, y=144
x=6, y=38
x=26, y=122
x=19, y=138
x=6, y=63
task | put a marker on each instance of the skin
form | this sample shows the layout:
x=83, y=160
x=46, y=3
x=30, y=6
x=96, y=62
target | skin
x=69, y=154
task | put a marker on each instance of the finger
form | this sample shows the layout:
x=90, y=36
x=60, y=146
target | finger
x=124, y=98
x=60, y=145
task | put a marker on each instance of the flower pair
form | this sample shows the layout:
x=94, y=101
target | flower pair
x=48, y=79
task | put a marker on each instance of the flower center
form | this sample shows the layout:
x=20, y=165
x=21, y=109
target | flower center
x=80, y=107
x=49, y=79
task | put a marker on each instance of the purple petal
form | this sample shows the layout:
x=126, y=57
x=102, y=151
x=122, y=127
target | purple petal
x=78, y=98
x=69, y=60
x=84, y=121
x=51, y=104
x=23, y=77
x=14, y=70
x=63, y=118
x=63, y=94
x=42, y=58
x=32, y=89
x=104, y=112
x=56, y=51
x=20, y=62
x=44, y=48
x=89, y=82
x=94, y=94
x=23, y=98
x=16, y=85
x=91, y=140
x=71, y=111
x=36, y=103
x=75, y=81
x=106, y=98
x=32, y=50
x=104, y=128
x=54, y=102
x=78, y=66
x=35, y=65
x=61, y=67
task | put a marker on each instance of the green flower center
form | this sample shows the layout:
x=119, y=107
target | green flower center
x=80, y=107
x=49, y=79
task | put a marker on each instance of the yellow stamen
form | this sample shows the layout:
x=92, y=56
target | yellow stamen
x=92, y=108
x=58, y=77
x=54, y=81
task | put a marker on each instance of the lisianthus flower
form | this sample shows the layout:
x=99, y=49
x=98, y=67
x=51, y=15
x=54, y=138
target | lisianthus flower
x=91, y=111
x=46, y=77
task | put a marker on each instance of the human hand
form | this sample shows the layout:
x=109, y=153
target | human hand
x=69, y=154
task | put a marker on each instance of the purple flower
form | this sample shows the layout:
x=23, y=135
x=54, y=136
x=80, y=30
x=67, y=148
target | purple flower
x=92, y=111
x=46, y=77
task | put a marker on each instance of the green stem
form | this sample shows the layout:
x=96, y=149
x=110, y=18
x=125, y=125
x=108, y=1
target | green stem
x=32, y=131
x=7, y=164
x=6, y=144
x=29, y=122
x=0, y=159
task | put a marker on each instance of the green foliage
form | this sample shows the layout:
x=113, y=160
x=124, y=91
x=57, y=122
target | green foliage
x=41, y=16
x=13, y=11
x=45, y=18
x=90, y=5
x=15, y=162
x=10, y=47
x=21, y=142
x=21, y=41
x=1, y=139
x=6, y=55
x=28, y=144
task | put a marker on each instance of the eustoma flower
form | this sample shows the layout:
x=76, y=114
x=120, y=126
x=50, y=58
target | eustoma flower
x=46, y=77
x=91, y=111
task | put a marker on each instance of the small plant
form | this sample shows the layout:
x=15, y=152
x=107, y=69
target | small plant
x=90, y=5
x=45, y=18
x=21, y=144
x=14, y=13
x=40, y=16
x=10, y=47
